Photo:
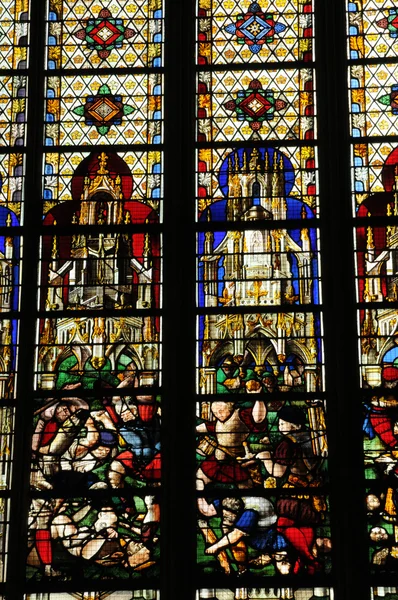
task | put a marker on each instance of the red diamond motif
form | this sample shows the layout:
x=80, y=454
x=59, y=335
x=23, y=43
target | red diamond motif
x=395, y=22
x=105, y=33
x=255, y=105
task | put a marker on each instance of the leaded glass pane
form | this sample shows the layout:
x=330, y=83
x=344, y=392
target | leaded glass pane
x=84, y=34
x=272, y=267
x=257, y=184
x=96, y=443
x=266, y=594
x=269, y=534
x=236, y=31
x=98, y=109
x=235, y=349
x=386, y=593
x=130, y=595
x=76, y=187
x=270, y=430
x=372, y=29
x=267, y=263
x=85, y=538
x=270, y=105
x=375, y=203
x=14, y=29
x=97, y=361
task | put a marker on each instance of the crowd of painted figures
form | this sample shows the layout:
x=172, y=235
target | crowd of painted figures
x=262, y=446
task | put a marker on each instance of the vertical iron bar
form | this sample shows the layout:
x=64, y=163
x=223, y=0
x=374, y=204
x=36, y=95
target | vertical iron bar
x=178, y=538
x=342, y=370
x=30, y=232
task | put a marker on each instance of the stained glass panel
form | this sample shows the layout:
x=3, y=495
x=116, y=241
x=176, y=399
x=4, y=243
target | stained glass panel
x=12, y=183
x=7, y=416
x=266, y=594
x=100, y=271
x=258, y=104
x=372, y=29
x=14, y=29
x=378, y=350
x=4, y=524
x=256, y=184
x=375, y=205
x=95, y=442
x=285, y=348
x=376, y=263
x=232, y=31
x=77, y=539
x=89, y=352
x=10, y=272
x=98, y=109
x=373, y=92
x=382, y=529
x=261, y=443
x=250, y=268
x=130, y=595
x=9, y=334
x=83, y=34
x=135, y=176
x=385, y=593
x=13, y=110
x=263, y=535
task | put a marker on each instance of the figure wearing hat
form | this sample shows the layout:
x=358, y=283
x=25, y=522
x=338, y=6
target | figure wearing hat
x=293, y=457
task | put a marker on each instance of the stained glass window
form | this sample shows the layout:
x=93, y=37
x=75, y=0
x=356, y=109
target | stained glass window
x=259, y=299
x=165, y=253
x=372, y=33
x=14, y=63
x=95, y=464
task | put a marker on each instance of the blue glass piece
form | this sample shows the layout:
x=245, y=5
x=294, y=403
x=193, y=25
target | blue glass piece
x=255, y=48
x=356, y=133
x=51, y=65
x=52, y=41
x=231, y=28
x=279, y=27
x=48, y=142
x=157, y=139
x=50, y=93
x=157, y=14
x=157, y=90
x=359, y=186
x=157, y=115
x=157, y=62
x=48, y=169
x=157, y=168
x=47, y=195
x=356, y=108
x=49, y=118
x=52, y=16
x=157, y=37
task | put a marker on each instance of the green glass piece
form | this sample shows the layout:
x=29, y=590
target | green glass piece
x=79, y=110
x=127, y=110
x=104, y=89
x=385, y=99
x=103, y=129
